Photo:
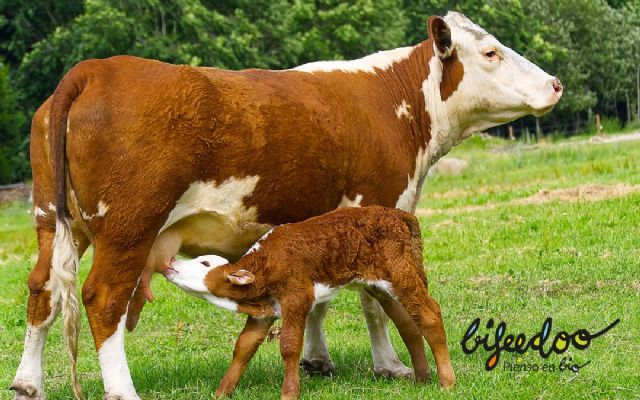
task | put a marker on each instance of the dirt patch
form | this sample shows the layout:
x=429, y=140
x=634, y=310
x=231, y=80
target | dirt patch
x=490, y=280
x=626, y=137
x=427, y=212
x=553, y=287
x=480, y=190
x=592, y=192
x=443, y=224
x=451, y=194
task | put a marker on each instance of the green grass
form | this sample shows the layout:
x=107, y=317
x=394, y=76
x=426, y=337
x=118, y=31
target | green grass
x=578, y=262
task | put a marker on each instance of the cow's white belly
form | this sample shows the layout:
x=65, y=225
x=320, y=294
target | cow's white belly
x=210, y=219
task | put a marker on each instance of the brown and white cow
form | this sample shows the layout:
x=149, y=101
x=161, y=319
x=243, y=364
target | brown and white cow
x=143, y=159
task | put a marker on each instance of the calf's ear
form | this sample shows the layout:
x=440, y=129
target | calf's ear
x=441, y=34
x=241, y=277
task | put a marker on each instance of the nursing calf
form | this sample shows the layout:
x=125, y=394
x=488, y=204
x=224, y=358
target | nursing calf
x=295, y=267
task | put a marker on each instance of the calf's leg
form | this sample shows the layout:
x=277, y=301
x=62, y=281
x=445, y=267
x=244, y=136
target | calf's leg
x=42, y=309
x=411, y=335
x=426, y=314
x=385, y=360
x=251, y=337
x=294, y=315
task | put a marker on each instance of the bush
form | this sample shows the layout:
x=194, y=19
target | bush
x=14, y=160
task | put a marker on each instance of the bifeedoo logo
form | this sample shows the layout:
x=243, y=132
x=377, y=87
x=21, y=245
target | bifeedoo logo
x=518, y=343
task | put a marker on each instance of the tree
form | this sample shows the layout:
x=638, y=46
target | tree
x=13, y=146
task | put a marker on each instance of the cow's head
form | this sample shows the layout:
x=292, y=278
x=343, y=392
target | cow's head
x=482, y=83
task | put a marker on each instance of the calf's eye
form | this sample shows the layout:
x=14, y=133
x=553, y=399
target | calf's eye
x=205, y=263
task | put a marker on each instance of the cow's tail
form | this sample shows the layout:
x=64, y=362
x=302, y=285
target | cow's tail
x=64, y=262
x=416, y=241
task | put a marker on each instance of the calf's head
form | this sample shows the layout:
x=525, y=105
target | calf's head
x=480, y=83
x=202, y=274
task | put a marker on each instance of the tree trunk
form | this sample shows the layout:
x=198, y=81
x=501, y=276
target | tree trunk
x=626, y=94
x=638, y=92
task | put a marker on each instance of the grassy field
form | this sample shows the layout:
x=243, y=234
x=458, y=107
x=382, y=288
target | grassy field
x=488, y=254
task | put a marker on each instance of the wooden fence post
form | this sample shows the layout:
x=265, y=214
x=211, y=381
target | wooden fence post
x=511, y=137
x=598, y=126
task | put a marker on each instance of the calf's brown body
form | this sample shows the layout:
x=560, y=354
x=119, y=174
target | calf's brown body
x=376, y=247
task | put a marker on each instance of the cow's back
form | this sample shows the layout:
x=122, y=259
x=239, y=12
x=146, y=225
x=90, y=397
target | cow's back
x=259, y=148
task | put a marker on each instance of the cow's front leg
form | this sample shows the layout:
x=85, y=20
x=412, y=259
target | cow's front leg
x=385, y=359
x=316, y=359
x=42, y=309
x=106, y=295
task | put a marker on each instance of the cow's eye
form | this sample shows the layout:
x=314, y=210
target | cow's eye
x=205, y=263
x=491, y=54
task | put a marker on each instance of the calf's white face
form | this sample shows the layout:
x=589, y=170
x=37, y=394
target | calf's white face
x=189, y=275
x=498, y=85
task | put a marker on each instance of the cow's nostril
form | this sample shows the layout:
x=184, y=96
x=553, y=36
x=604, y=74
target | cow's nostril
x=557, y=86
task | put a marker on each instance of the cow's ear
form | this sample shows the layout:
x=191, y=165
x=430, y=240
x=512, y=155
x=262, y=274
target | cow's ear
x=241, y=277
x=441, y=34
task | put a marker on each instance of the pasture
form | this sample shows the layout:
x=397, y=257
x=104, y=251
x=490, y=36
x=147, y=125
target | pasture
x=520, y=235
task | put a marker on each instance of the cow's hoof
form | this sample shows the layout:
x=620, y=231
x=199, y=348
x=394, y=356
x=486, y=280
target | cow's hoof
x=317, y=366
x=26, y=390
x=399, y=371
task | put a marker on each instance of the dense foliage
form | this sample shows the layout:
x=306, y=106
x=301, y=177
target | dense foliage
x=593, y=46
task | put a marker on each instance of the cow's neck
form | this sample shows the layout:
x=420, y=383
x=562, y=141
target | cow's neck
x=402, y=81
x=418, y=85
x=415, y=87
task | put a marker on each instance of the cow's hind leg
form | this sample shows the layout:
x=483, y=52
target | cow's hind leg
x=42, y=309
x=106, y=295
x=316, y=359
x=385, y=360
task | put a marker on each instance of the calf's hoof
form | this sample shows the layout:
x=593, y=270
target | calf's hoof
x=399, y=371
x=317, y=366
x=447, y=383
x=25, y=390
x=422, y=375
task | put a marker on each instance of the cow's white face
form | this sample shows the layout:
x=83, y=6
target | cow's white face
x=498, y=84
